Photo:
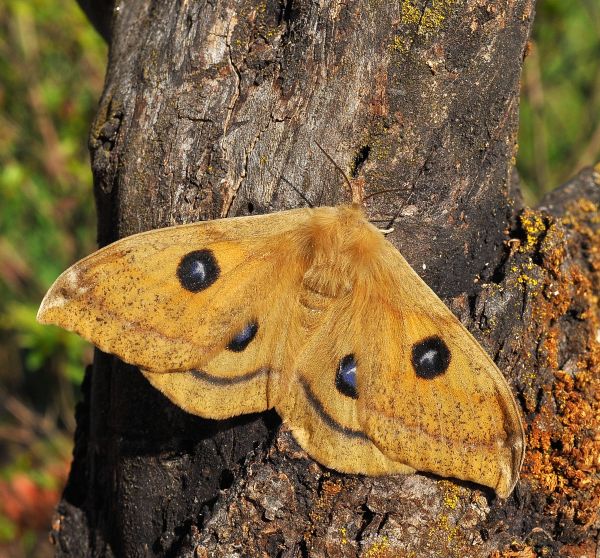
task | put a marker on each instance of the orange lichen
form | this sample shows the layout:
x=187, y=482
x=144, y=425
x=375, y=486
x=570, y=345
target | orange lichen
x=533, y=225
x=451, y=494
x=516, y=550
x=379, y=549
x=585, y=549
x=563, y=457
x=329, y=489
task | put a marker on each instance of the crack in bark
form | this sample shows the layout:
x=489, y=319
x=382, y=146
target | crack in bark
x=237, y=73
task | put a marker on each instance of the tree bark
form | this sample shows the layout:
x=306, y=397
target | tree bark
x=214, y=109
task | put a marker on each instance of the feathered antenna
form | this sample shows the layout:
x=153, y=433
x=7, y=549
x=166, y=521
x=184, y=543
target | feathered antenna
x=355, y=192
x=299, y=192
x=358, y=196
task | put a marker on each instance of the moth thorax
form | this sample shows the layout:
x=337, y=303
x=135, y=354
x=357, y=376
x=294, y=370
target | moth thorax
x=326, y=281
x=320, y=289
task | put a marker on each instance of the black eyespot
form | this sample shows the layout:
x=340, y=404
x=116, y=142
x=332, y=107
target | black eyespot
x=198, y=270
x=345, y=378
x=242, y=339
x=430, y=357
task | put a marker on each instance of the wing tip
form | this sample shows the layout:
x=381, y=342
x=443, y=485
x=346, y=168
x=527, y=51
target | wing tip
x=509, y=471
x=63, y=290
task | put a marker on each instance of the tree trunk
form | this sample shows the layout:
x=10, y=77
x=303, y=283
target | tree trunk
x=214, y=109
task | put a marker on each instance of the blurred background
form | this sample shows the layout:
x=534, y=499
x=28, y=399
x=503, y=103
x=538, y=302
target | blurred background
x=51, y=73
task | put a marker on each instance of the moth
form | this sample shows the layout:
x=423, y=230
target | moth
x=312, y=312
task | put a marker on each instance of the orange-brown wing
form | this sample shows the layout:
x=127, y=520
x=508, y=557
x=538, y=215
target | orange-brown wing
x=433, y=387
x=391, y=381
x=319, y=408
x=204, y=301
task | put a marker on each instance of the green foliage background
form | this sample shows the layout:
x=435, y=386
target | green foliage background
x=51, y=72
x=51, y=75
x=560, y=100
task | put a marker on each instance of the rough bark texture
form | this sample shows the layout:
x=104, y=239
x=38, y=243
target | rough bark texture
x=214, y=109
